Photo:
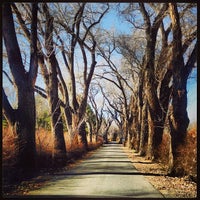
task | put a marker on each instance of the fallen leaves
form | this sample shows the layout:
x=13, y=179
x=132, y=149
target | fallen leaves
x=170, y=187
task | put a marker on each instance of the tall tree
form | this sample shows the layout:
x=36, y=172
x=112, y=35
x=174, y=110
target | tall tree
x=98, y=112
x=155, y=112
x=59, y=150
x=80, y=28
x=23, y=118
x=48, y=65
x=178, y=119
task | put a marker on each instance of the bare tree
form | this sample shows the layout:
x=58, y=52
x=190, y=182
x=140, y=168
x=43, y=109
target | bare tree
x=165, y=64
x=23, y=118
x=179, y=119
x=81, y=31
x=59, y=151
x=48, y=66
x=98, y=111
x=122, y=84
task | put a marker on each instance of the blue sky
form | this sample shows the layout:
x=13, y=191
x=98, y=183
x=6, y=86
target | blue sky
x=112, y=21
x=192, y=96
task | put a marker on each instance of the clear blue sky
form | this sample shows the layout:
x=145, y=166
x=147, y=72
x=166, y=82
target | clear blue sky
x=112, y=21
x=192, y=96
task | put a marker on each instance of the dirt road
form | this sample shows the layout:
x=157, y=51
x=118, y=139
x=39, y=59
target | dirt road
x=108, y=173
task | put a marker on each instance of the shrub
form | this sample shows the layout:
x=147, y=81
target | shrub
x=185, y=160
x=10, y=173
x=187, y=153
x=44, y=147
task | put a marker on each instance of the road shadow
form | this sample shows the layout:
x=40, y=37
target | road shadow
x=107, y=173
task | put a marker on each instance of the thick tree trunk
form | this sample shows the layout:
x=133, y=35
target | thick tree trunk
x=178, y=120
x=59, y=151
x=23, y=118
x=22, y=121
x=74, y=134
x=155, y=112
x=25, y=127
x=155, y=118
x=179, y=95
x=130, y=139
x=126, y=133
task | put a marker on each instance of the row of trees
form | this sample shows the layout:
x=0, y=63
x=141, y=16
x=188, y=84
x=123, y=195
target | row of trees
x=152, y=78
x=66, y=40
x=57, y=32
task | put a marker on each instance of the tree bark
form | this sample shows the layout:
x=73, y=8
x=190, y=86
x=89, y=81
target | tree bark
x=180, y=119
x=83, y=133
x=155, y=112
x=23, y=118
x=143, y=130
x=59, y=150
x=150, y=155
x=90, y=129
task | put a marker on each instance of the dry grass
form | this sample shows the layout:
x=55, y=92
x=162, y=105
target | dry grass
x=187, y=153
x=44, y=147
x=156, y=172
x=9, y=157
x=186, y=158
x=164, y=148
x=9, y=148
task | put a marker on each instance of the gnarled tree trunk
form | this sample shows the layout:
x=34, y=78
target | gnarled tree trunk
x=23, y=118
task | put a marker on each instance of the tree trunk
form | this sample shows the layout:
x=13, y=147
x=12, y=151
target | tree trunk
x=170, y=158
x=23, y=124
x=150, y=147
x=126, y=132
x=143, y=130
x=154, y=109
x=59, y=150
x=25, y=127
x=83, y=134
x=178, y=120
x=23, y=118
x=89, y=125
x=130, y=137
x=179, y=95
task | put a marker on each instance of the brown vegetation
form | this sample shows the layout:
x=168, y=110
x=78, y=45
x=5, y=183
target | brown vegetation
x=44, y=147
x=156, y=172
x=186, y=159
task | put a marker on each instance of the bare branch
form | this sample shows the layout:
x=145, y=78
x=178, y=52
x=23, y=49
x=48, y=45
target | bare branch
x=33, y=43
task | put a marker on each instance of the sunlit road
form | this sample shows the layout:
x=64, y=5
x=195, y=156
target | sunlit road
x=108, y=173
